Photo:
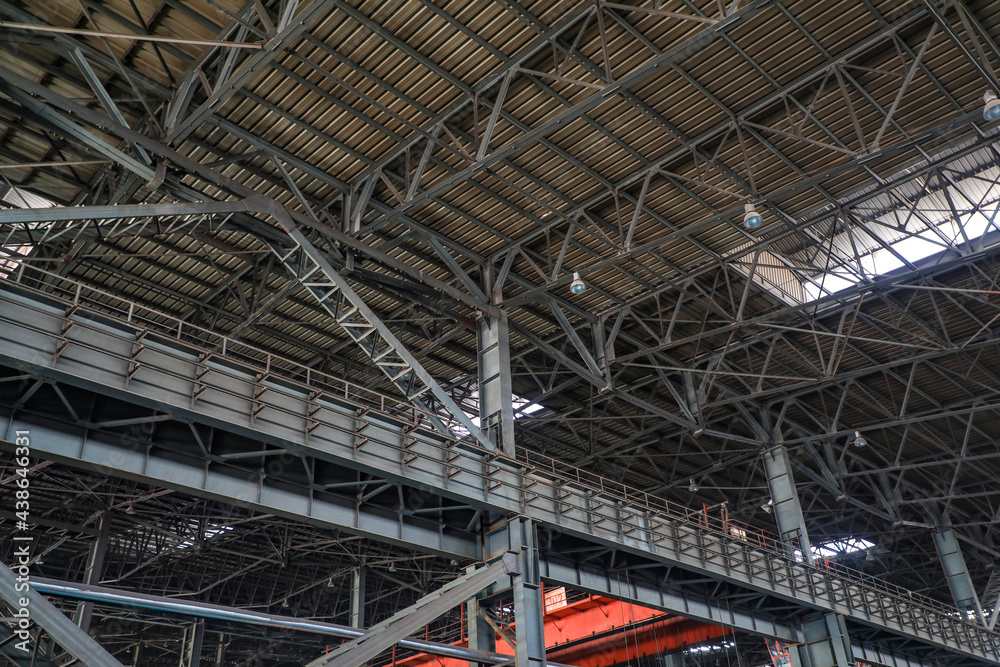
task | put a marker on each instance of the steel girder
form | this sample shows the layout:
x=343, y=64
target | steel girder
x=102, y=358
x=39, y=611
x=112, y=596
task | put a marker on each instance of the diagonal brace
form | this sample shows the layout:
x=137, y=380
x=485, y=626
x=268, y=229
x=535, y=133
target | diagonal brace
x=403, y=623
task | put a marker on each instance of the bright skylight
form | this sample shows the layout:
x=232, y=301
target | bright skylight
x=18, y=198
x=841, y=547
x=890, y=231
x=522, y=407
x=837, y=548
x=210, y=532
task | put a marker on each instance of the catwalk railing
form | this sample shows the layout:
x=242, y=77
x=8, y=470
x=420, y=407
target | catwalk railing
x=197, y=374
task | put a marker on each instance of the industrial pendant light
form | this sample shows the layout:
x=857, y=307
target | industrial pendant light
x=752, y=219
x=991, y=107
x=577, y=286
x=859, y=440
x=694, y=486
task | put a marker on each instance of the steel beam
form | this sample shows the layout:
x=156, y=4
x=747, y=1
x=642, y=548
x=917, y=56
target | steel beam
x=785, y=503
x=359, y=576
x=88, y=213
x=202, y=610
x=496, y=403
x=97, y=356
x=957, y=573
x=247, y=70
x=824, y=643
x=27, y=603
x=367, y=330
x=406, y=621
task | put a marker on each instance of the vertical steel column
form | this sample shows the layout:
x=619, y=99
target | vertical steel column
x=785, y=500
x=957, y=573
x=194, y=638
x=518, y=535
x=92, y=574
x=358, y=579
x=825, y=643
x=496, y=402
x=482, y=637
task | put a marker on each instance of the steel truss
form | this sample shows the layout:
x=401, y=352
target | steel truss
x=294, y=418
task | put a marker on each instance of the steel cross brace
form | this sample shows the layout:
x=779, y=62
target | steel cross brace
x=426, y=609
x=364, y=326
x=43, y=614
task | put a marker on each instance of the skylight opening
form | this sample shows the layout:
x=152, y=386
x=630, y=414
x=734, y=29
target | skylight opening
x=522, y=408
x=213, y=531
x=18, y=198
x=838, y=548
x=912, y=249
x=890, y=231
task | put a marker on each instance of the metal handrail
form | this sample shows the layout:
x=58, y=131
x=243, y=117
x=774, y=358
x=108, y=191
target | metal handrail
x=144, y=319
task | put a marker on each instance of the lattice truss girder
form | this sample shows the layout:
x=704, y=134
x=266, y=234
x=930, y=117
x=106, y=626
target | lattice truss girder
x=674, y=316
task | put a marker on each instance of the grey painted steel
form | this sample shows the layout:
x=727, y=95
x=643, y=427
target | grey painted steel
x=194, y=639
x=19, y=658
x=62, y=630
x=496, y=410
x=366, y=329
x=824, y=644
x=389, y=632
x=957, y=573
x=551, y=493
x=786, y=507
x=253, y=66
x=358, y=579
x=64, y=213
x=220, y=613
x=76, y=445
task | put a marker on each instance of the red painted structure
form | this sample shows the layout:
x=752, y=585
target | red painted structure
x=593, y=631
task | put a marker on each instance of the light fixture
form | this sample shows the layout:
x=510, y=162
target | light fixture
x=577, y=286
x=392, y=568
x=991, y=106
x=752, y=219
x=453, y=563
x=859, y=440
x=284, y=603
x=694, y=486
x=768, y=505
x=129, y=509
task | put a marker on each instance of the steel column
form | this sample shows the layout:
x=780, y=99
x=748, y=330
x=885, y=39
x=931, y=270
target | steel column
x=824, y=644
x=496, y=407
x=358, y=579
x=404, y=622
x=957, y=573
x=785, y=502
x=95, y=565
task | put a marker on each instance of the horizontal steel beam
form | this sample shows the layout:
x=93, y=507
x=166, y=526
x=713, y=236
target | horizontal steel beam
x=113, y=596
x=61, y=213
x=62, y=344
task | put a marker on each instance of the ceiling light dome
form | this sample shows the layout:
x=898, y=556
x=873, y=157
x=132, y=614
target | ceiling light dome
x=752, y=219
x=991, y=108
x=859, y=440
x=577, y=286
